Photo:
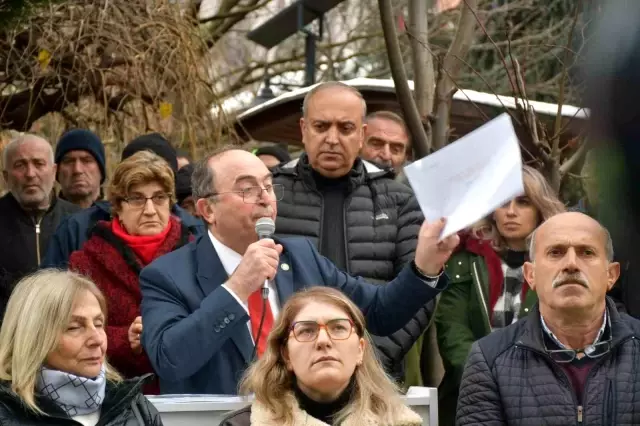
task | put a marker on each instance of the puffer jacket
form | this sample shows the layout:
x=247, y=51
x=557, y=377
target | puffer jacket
x=25, y=239
x=123, y=405
x=510, y=380
x=382, y=220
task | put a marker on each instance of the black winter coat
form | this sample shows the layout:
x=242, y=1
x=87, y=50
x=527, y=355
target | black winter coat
x=124, y=405
x=382, y=220
x=24, y=240
x=510, y=380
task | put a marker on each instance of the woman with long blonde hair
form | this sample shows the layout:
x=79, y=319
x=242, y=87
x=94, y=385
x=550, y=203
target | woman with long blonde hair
x=320, y=369
x=52, y=358
x=487, y=289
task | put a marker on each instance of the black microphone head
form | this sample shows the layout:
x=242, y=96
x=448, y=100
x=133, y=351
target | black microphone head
x=265, y=227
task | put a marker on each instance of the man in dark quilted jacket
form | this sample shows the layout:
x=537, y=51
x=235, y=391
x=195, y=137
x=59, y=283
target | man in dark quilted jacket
x=574, y=359
x=355, y=213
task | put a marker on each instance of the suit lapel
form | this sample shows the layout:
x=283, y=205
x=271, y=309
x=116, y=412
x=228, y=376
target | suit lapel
x=211, y=275
x=284, y=279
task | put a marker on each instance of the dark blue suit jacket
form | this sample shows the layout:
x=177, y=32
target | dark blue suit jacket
x=195, y=332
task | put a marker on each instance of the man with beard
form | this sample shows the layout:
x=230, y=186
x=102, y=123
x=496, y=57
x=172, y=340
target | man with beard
x=535, y=371
x=29, y=212
x=80, y=160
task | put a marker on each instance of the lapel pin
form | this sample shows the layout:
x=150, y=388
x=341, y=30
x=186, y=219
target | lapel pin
x=285, y=267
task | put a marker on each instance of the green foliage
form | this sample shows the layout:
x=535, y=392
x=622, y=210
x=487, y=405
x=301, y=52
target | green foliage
x=12, y=11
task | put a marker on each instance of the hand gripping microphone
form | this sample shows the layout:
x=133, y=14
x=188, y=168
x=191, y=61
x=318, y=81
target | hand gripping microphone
x=265, y=227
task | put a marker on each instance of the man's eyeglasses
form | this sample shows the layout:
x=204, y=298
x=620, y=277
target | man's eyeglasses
x=139, y=201
x=308, y=331
x=565, y=356
x=253, y=194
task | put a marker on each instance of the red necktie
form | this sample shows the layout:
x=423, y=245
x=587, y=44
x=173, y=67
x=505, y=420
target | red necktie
x=255, y=314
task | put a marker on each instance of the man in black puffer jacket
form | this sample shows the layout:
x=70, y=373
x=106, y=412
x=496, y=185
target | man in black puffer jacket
x=29, y=212
x=356, y=214
x=574, y=358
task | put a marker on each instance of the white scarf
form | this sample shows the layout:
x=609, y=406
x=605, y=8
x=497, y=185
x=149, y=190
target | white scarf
x=76, y=395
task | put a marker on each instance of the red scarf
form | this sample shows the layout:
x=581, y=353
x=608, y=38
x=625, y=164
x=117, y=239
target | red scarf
x=144, y=246
x=494, y=267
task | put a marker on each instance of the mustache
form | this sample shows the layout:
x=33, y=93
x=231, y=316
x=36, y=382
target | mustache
x=575, y=278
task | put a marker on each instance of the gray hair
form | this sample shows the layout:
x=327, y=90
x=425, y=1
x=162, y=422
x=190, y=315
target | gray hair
x=203, y=176
x=531, y=243
x=332, y=85
x=10, y=148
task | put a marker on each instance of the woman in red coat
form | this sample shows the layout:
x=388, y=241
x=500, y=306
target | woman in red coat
x=142, y=229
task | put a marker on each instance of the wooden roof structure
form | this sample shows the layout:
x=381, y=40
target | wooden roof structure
x=277, y=120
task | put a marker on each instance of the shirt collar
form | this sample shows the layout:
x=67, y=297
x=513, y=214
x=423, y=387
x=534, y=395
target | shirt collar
x=229, y=258
x=588, y=349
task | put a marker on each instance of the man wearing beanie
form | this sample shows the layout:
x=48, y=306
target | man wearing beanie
x=75, y=229
x=272, y=155
x=184, y=194
x=81, y=167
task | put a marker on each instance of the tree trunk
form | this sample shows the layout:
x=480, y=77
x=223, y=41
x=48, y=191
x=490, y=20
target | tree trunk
x=424, y=81
x=421, y=144
x=450, y=70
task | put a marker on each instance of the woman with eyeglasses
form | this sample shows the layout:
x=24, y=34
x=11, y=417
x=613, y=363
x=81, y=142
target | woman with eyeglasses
x=320, y=369
x=142, y=229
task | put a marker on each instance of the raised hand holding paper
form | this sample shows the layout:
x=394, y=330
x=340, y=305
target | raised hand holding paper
x=470, y=178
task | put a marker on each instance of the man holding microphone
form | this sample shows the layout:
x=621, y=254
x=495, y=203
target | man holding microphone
x=203, y=310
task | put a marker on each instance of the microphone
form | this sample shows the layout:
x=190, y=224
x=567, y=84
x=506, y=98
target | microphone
x=265, y=227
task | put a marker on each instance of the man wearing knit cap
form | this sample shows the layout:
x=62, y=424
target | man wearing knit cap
x=73, y=231
x=272, y=155
x=81, y=167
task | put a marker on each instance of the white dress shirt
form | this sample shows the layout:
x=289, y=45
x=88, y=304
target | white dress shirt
x=230, y=261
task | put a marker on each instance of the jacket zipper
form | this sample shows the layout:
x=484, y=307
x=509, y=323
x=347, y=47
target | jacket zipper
x=567, y=382
x=37, y=225
x=483, y=301
x=347, y=262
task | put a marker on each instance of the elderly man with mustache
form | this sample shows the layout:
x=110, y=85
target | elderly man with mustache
x=574, y=359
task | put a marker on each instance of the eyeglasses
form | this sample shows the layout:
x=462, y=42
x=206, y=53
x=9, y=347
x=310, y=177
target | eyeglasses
x=565, y=356
x=308, y=331
x=253, y=194
x=139, y=201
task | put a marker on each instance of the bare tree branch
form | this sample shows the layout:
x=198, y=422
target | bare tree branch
x=451, y=66
x=419, y=137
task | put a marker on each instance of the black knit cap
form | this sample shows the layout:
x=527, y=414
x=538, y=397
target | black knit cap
x=183, y=182
x=275, y=151
x=156, y=143
x=81, y=140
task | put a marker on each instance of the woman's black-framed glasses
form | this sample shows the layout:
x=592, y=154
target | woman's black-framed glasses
x=138, y=201
x=308, y=331
x=253, y=194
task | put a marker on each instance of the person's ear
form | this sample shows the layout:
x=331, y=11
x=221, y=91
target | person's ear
x=361, y=345
x=303, y=129
x=613, y=273
x=529, y=275
x=205, y=210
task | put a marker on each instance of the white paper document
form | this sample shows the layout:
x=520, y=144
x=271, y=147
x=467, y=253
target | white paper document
x=471, y=177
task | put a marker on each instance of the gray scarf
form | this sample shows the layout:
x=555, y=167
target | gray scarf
x=76, y=395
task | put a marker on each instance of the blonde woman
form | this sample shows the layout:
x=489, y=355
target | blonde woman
x=52, y=359
x=319, y=369
x=487, y=289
